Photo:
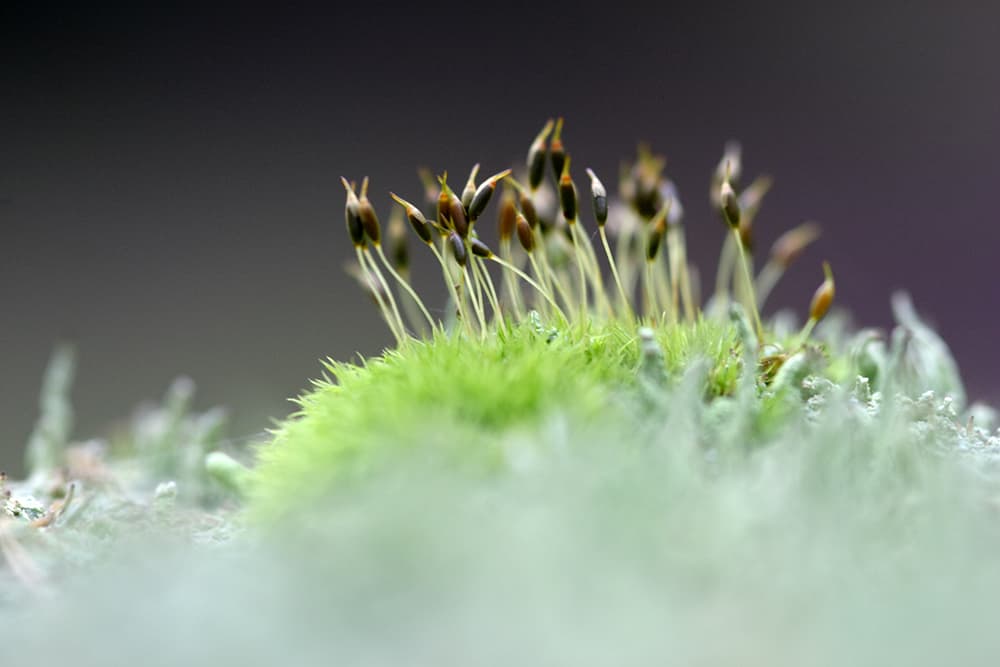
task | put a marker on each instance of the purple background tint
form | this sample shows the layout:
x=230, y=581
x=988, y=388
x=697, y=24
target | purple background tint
x=168, y=179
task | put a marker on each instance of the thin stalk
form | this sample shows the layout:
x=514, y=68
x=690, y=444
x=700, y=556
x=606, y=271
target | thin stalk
x=749, y=279
x=724, y=273
x=663, y=280
x=626, y=306
x=807, y=331
x=459, y=302
x=388, y=292
x=405, y=285
x=577, y=250
x=477, y=305
x=386, y=313
x=674, y=260
x=766, y=280
x=556, y=285
x=479, y=270
x=596, y=280
x=510, y=286
x=652, y=307
x=526, y=278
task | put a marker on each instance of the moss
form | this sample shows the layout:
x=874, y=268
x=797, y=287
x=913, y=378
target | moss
x=454, y=395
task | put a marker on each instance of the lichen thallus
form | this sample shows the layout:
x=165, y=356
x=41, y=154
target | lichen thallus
x=554, y=255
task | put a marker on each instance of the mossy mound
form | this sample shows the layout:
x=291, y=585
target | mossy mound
x=455, y=398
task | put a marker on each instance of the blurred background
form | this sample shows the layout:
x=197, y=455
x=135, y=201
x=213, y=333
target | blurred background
x=169, y=196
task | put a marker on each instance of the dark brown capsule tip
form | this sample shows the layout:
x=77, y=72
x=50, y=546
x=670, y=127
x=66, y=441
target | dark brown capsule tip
x=524, y=233
x=458, y=249
x=480, y=249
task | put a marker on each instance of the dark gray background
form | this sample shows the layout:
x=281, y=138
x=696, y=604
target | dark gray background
x=169, y=187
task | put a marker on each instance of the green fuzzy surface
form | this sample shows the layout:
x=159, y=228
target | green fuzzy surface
x=457, y=399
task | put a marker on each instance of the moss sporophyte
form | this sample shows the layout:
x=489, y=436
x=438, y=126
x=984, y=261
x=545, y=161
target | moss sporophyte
x=535, y=328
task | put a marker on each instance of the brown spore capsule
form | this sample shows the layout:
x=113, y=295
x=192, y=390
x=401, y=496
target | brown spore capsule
x=824, y=295
x=456, y=213
x=528, y=209
x=556, y=150
x=369, y=220
x=416, y=219
x=444, y=202
x=600, y=197
x=567, y=194
x=536, y=157
x=457, y=246
x=524, y=233
x=507, y=220
x=480, y=249
x=482, y=196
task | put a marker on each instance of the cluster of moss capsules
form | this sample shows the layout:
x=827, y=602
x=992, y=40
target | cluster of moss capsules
x=553, y=271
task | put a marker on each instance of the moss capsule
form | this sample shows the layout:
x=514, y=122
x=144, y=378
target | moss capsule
x=470, y=189
x=556, y=150
x=369, y=220
x=483, y=193
x=528, y=209
x=824, y=295
x=457, y=215
x=536, y=157
x=416, y=219
x=600, y=196
x=507, y=219
x=480, y=249
x=525, y=234
x=457, y=246
x=352, y=217
x=567, y=194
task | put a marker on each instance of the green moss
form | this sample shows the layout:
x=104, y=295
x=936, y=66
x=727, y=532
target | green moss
x=452, y=396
